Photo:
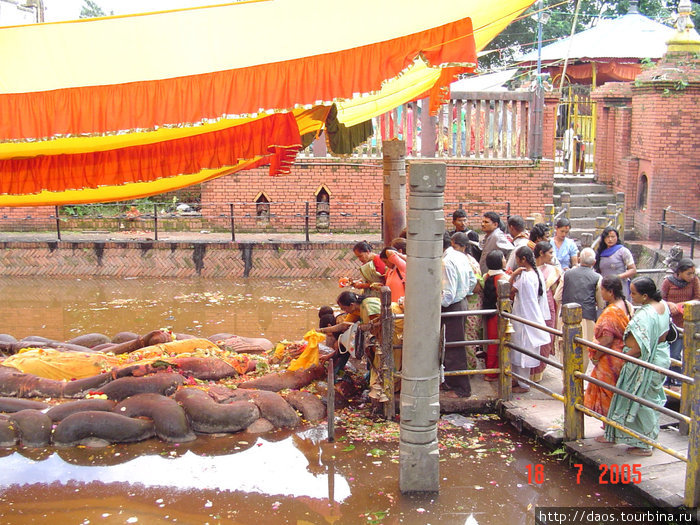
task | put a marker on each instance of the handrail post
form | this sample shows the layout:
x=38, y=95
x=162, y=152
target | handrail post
x=387, y=346
x=691, y=367
x=566, y=203
x=586, y=239
x=233, y=225
x=571, y=315
x=330, y=401
x=155, y=220
x=620, y=201
x=611, y=214
x=505, y=328
x=58, y=225
x=692, y=239
x=600, y=224
x=306, y=221
x=663, y=224
x=691, y=325
x=381, y=215
x=549, y=213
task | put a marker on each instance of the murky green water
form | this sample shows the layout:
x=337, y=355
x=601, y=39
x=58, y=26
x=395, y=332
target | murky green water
x=283, y=477
x=65, y=308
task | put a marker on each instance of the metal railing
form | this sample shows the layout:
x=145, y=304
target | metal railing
x=690, y=232
x=232, y=217
x=574, y=376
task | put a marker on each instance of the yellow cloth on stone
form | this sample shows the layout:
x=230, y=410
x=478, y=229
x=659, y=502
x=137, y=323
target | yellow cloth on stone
x=52, y=364
x=175, y=348
x=309, y=356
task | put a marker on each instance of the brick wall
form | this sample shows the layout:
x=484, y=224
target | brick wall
x=27, y=218
x=172, y=259
x=355, y=189
x=650, y=127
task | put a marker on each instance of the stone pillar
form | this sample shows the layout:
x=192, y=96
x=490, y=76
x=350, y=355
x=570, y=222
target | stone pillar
x=420, y=376
x=394, y=195
x=320, y=149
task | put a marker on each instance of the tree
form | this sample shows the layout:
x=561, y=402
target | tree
x=521, y=35
x=90, y=9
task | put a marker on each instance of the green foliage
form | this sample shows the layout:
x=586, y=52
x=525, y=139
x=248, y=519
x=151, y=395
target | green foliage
x=117, y=209
x=647, y=63
x=560, y=453
x=90, y=9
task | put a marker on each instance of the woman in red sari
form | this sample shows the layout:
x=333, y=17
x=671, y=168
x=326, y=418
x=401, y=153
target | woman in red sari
x=609, y=331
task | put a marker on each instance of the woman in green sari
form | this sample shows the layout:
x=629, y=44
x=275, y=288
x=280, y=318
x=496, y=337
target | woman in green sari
x=645, y=339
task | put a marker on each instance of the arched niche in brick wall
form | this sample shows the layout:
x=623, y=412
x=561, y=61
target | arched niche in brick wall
x=642, y=192
x=262, y=209
x=323, y=207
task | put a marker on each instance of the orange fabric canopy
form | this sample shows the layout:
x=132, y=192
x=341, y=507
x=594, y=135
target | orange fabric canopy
x=605, y=72
x=158, y=101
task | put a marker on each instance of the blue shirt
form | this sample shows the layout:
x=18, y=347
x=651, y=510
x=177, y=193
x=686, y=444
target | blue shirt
x=566, y=252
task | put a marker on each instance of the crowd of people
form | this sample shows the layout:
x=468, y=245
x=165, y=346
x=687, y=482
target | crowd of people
x=545, y=273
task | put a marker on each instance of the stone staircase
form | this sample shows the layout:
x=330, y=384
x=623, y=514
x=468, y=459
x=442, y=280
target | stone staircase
x=587, y=200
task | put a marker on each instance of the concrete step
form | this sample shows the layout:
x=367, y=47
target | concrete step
x=580, y=188
x=588, y=199
x=579, y=212
x=572, y=179
x=582, y=223
x=577, y=234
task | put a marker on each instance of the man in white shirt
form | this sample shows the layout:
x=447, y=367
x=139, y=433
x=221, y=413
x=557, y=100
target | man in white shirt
x=458, y=281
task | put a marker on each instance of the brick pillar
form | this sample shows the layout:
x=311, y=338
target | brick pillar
x=549, y=124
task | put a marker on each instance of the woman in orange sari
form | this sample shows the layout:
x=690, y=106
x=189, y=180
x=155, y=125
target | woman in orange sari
x=609, y=331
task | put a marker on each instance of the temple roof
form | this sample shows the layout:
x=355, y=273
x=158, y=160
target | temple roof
x=631, y=36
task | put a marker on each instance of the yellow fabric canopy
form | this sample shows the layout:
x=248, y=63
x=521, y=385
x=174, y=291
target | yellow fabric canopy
x=116, y=108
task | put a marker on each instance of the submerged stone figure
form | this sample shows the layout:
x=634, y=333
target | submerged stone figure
x=142, y=380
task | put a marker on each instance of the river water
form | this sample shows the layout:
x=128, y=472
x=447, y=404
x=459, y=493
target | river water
x=486, y=469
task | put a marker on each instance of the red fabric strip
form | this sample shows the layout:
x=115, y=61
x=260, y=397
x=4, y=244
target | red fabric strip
x=276, y=137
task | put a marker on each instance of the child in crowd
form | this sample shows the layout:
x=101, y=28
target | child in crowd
x=495, y=261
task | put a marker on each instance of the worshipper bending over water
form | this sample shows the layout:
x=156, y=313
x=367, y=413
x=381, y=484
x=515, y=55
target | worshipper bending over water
x=395, y=276
x=645, y=339
x=372, y=269
x=529, y=302
x=609, y=331
x=365, y=313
